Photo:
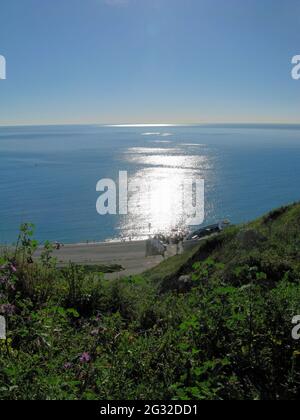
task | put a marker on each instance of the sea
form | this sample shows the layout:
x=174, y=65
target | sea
x=49, y=177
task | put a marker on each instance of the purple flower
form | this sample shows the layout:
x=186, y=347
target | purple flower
x=67, y=365
x=3, y=280
x=12, y=287
x=7, y=309
x=13, y=269
x=85, y=358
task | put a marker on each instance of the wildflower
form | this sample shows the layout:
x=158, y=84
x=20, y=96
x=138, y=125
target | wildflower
x=85, y=357
x=12, y=268
x=7, y=309
x=3, y=280
x=11, y=286
x=67, y=365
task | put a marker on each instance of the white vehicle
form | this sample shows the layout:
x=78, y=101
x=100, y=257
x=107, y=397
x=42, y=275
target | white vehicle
x=195, y=237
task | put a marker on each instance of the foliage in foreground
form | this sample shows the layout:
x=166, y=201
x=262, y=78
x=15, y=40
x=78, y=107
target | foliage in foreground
x=74, y=335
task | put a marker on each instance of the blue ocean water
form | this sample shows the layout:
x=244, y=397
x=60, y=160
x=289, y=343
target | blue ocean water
x=48, y=175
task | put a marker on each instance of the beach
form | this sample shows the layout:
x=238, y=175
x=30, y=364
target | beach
x=129, y=255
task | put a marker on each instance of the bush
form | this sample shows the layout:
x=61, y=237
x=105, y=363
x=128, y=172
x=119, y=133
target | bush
x=74, y=335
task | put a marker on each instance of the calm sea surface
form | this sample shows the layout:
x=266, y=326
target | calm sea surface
x=48, y=176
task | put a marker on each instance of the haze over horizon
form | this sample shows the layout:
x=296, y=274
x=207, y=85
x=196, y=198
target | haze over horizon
x=149, y=62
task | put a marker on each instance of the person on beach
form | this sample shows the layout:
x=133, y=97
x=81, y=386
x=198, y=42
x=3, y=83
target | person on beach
x=164, y=252
x=177, y=240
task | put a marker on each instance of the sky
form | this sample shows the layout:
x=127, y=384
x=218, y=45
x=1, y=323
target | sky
x=149, y=61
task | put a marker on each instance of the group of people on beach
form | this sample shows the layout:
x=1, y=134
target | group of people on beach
x=175, y=239
x=57, y=245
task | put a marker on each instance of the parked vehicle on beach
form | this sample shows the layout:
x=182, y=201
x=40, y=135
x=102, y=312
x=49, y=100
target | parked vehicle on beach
x=195, y=237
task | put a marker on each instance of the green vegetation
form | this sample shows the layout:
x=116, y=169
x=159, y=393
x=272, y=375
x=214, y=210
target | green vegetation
x=212, y=324
x=104, y=269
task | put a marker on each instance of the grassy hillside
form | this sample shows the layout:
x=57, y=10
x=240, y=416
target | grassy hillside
x=211, y=324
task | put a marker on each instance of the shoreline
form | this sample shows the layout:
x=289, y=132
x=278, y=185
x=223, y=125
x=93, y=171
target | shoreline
x=130, y=255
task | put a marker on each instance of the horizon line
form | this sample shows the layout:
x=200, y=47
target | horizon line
x=149, y=125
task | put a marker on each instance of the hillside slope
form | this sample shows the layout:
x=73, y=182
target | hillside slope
x=212, y=324
x=271, y=244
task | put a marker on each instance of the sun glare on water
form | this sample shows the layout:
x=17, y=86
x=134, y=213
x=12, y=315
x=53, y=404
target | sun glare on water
x=156, y=196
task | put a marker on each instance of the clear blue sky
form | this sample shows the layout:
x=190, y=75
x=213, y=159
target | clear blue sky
x=146, y=61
